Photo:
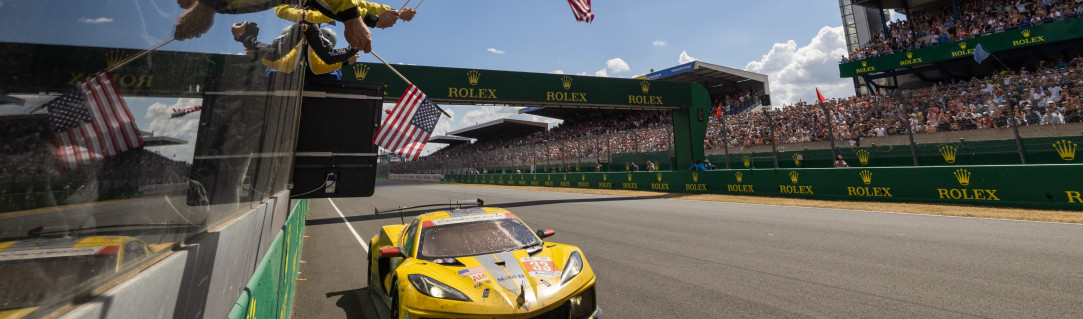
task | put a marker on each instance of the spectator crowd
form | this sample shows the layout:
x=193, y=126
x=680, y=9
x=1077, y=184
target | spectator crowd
x=938, y=24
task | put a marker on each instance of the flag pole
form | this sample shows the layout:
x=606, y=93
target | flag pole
x=418, y=4
x=404, y=5
x=403, y=77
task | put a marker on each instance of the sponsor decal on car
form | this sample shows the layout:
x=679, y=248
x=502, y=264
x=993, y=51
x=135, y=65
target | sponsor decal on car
x=540, y=267
x=477, y=274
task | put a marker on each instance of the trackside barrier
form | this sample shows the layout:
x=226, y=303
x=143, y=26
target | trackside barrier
x=417, y=177
x=1030, y=186
x=269, y=294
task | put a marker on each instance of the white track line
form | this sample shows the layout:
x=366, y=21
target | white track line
x=347, y=222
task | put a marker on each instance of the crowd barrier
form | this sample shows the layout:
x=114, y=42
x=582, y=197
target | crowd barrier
x=269, y=294
x=1045, y=186
x=416, y=177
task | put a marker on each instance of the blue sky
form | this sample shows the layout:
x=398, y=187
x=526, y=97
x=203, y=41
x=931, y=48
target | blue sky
x=796, y=42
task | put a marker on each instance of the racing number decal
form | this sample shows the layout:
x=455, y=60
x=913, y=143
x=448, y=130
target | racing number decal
x=540, y=267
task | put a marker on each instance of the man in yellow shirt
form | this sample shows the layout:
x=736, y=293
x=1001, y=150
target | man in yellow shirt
x=199, y=16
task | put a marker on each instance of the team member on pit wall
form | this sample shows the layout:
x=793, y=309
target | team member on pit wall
x=284, y=52
x=199, y=16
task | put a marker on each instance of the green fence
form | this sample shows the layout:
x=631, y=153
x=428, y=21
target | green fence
x=269, y=294
x=27, y=201
x=1034, y=186
x=1038, y=150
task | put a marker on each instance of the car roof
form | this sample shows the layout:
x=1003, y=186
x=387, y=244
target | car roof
x=465, y=214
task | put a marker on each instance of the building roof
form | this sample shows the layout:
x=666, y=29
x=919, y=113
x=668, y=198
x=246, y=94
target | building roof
x=501, y=127
x=450, y=140
x=149, y=140
x=719, y=80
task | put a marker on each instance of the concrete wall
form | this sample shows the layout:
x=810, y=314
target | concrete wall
x=200, y=280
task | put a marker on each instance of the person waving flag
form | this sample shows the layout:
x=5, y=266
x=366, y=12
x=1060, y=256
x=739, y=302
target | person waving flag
x=581, y=9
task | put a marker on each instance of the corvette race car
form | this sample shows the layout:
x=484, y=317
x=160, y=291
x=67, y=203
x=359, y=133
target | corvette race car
x=477, y=262
x=37, y=269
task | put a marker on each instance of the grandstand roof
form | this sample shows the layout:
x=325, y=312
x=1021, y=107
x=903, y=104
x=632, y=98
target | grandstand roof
x=895, y=4
x=719, y=80
x=501, y=127
x=149, y=140
x=450, y=140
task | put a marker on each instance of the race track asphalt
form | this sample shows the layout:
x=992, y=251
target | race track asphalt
x=663, y=257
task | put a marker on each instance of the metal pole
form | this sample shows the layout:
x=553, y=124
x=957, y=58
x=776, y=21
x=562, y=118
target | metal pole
x=910, y=131
x=771, y=135
x=830, y=130
x=726, y=141
x=1015, y=130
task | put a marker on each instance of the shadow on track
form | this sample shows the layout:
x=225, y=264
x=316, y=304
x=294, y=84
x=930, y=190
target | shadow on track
x=356, y=303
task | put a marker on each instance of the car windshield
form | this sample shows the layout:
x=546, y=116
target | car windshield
x=477, y=238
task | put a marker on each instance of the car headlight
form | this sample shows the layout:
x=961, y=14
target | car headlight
x=582, y=305
x=432, y=288
x=572, y=267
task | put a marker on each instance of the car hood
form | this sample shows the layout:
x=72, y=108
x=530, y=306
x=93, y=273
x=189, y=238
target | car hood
x=512, y=281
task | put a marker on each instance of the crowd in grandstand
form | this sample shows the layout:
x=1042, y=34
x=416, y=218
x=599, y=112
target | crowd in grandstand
x=1049, y=95
x=938, y=24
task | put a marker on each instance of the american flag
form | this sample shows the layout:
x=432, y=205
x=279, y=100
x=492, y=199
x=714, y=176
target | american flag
x=91, y=122
x=408, y=127
x=581, y=9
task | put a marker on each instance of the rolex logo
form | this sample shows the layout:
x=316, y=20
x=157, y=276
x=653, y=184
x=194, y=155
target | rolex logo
x=605, y=177
x=963, y=176
x=747, y=160
x=948, y=152
x=584, y=177
x=866, y=177
x=1066, y=149
x=695, y=177
x=659, y=177
x=962, y=45
x=740, y=176
x=864, y=63
x=863, y=156
x=645, y=86
x=793, y=176
x=567, y=82
x=909, y=55
x=549, y=177
x=360, y=71
x=796, y=159
x=1026, y=33
x=473, y=76
x=629, y=177
x=565, y=177
x=114, y=57
x=535, y=177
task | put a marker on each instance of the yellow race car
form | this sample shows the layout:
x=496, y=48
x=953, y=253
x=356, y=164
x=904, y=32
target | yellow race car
x=41, y=270
x=477, y=262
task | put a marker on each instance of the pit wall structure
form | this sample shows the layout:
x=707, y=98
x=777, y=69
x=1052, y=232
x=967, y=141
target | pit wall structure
x=1049, y=186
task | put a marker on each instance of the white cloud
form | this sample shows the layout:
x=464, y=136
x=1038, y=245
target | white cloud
x=494, y=51
x=617, y=65
x=585, y=73
x=685, y=58
x=184, y=128
x=96, y=20
x=794, y=73
x=601, y=73
x=557, y=71
x=659, y=43
x=488, y=113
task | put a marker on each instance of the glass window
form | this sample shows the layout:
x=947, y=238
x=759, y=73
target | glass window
x=113, y=135
x=469, y=239
x=408, y=242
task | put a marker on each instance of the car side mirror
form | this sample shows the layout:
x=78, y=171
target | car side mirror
x=546, y=233
x=390, y=252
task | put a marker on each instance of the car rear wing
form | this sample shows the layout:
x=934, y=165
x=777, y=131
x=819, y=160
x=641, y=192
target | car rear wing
x=452, y=205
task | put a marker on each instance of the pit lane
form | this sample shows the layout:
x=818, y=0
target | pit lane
x=662, y=257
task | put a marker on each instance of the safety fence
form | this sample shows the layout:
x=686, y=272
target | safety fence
x=269, y=294
x=1045, y=186
x=26, y=201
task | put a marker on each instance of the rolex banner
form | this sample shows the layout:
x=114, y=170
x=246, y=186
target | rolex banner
x=1011, y=39
x=1034, y=186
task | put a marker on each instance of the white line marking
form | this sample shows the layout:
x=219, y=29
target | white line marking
x=347, y=222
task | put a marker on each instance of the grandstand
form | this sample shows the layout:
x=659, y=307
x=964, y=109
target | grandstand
x=937, y=40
